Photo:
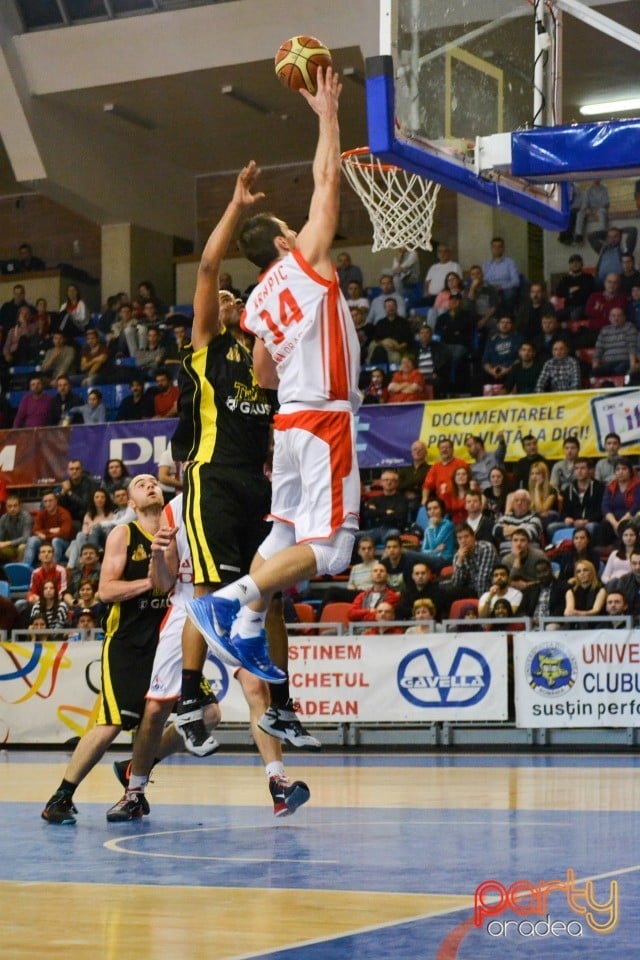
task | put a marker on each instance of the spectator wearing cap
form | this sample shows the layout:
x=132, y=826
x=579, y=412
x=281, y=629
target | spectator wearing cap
x=575, y=288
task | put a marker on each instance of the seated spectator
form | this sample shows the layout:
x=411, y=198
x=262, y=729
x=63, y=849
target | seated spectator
x=600, y=304
x=391, y=337
x=379, y=305
x=581, y=549
x=531, y=311
x=630, y=277
x=53, y=525
x=422, y=586
x=355, y=296
x=629, y=586
x=545, y=501
x=48, y=570
x=50, y=606
x=619, y=560
x=501, y=352
x=93, y=531
x=115, y=475
x=616, y=607
x=94, y=360
x=562, y=372
x=501, y=272
x=150, y=359
x=34, y=409
x=94, y=410
x=501, y=610
x=433, y=360
x=397, y=563
x=532, y=455
x=484, y=461
x=435, y=279
x=138, y=405
x=147, y=294
x=38, y=629
x=17, y=344
x=388, y=512
x=85, y=598
x=60, y=359
x=376, y=390
x=605, y=470
x=581, y=502
x=521, y=560
x=454, y=328
x=496, y=493
x=438, y=543
x=454, y=498
x=64, y=401
x=87, y=569
x=610, y=245
x=74, y=316
x=41, y=339
x=439, y=479
x=364, y=331
x=473, y=564
x=411, y=479
x=85, y=620
x=500, y=589
x=424, y=615
x=551, y=333
x=360, y=573
x=347, y=271
x=543, y=595
x=76, y=490
x=621, y=500
x=452, y=288
x=563, y=472
x=15, y=529
x=122, y=512
x=407, y=384
x=468, y=613
x=586, y=597
x=165, y=401
x=364, y=605
x=384, y=612
x=27, y=262
x=575, y=288
x=520, y=516
x=616, y=346
x=482, y=300
x=405, y=269
x=178, y=343
x=594, y=203
x=479, y=521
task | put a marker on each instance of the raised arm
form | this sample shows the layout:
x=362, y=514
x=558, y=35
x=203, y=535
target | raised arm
x=206, y=322
x=316, y=237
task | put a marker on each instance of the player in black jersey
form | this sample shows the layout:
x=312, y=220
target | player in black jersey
x=223, y=439
x=133, y=623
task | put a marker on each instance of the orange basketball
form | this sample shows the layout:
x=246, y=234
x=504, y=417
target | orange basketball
x=297, y=62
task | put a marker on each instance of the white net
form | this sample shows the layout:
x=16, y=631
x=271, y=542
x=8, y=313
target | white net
x=400, y=204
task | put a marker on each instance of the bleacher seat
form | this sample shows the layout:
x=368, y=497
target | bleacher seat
x=455, y=611
x=19, y=576
x=335, y=613
x=613, y=380
x=185, y=308
x=305, y=612
x=5, y=589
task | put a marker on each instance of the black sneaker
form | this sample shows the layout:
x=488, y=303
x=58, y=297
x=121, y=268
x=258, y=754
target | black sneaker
x=287, y=796
x=189, y=723
x=60, y=809
x=283, y=724
x=133, y=806
x=122, y=770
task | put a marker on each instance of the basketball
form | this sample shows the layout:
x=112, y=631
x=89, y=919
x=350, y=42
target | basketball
x=297, y=62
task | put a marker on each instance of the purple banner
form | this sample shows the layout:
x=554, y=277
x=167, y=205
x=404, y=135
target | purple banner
x=139, y=443
x=385, y=434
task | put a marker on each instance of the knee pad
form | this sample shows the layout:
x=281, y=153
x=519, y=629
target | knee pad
x=282, y=535
x=334, y=556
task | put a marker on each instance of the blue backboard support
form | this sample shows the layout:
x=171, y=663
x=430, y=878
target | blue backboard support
x=580, y=151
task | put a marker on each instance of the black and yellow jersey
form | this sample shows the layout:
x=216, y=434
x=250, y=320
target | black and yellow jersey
x=223, y=414
x=137, y=621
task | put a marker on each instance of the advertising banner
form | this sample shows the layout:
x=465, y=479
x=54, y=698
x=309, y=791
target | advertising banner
x=49, y=691
x=577, y=679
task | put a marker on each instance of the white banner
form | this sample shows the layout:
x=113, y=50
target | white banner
x=577, y=678
x=49, y=691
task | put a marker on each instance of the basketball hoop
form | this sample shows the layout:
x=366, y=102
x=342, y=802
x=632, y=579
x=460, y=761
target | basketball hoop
x=400, y=204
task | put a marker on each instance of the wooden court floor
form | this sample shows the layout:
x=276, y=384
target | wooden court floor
x=387, y=860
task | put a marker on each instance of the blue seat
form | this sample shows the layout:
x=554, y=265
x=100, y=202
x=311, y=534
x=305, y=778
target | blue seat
x=565, y=533
x=19, y=575
x=5, y=589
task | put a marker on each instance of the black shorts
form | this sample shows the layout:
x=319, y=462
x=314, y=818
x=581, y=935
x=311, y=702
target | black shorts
x=126, y=674
x=224, y=510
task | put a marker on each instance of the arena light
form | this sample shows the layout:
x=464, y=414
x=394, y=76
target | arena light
x=610, y=106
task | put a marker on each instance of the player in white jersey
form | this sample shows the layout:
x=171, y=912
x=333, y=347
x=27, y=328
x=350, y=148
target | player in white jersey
x=153, y=742
x=306, y=346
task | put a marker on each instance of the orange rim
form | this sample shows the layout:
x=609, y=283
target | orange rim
x=356, y=153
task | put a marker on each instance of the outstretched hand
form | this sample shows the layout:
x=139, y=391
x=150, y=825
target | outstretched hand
x=243, y=193
x=327, y=95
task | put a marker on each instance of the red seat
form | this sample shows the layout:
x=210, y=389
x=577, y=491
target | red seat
x=455, y=613
x=336, y=613
x=306, y=613
x=616, y=380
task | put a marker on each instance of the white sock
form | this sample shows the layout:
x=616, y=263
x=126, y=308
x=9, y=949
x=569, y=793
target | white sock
x=137, y=783
x=275, y=769
x=243, y=590
x=248, y=623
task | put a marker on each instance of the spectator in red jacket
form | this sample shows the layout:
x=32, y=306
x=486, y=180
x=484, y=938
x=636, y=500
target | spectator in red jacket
x=48, y=570
x=365, y=604
x=439, y=480
x=52, y=523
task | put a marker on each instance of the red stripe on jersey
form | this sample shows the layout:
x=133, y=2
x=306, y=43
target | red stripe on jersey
x=308, y=269
x=338, y=373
